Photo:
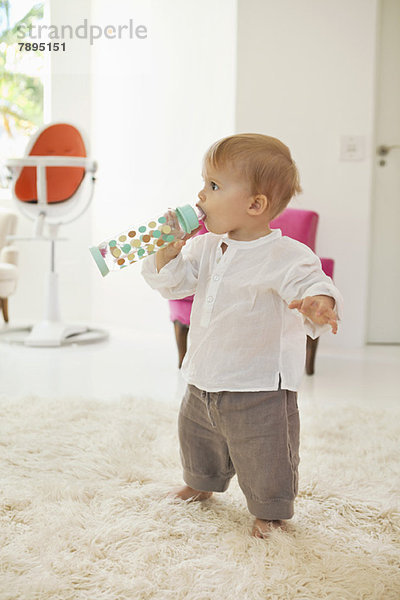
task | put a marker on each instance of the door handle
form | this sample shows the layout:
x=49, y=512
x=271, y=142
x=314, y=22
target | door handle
x=384, y=150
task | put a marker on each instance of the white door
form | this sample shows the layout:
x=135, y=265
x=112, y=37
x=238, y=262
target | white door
x=384, y=288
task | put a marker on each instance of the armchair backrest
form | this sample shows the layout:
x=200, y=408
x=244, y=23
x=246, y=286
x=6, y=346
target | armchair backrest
x=299, y=224
x=8, y=225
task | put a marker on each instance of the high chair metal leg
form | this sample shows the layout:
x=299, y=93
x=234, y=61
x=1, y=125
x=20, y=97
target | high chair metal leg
x=51, y=331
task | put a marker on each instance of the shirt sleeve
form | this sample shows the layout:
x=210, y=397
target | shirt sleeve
x=306, y=278
x=178, y=278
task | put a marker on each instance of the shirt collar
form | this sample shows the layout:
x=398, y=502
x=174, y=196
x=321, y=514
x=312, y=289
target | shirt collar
x=261, y=241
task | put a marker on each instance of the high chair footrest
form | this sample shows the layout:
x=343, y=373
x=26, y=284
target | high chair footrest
x=52, y=333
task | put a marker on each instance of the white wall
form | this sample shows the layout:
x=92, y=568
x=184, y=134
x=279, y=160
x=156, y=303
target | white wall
x=157, y=105
x=305, y=73
x=306, y=76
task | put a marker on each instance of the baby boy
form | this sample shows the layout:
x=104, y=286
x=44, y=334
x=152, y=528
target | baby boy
x=257, y=295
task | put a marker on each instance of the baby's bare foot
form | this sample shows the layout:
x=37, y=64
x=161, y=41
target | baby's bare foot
x=262, y=528
x=189, y=494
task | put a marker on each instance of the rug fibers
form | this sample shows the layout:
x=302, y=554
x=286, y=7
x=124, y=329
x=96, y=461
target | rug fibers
x=84, y=517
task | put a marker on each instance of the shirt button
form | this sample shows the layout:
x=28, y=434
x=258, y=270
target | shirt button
x=216, y=277
x=210, y=299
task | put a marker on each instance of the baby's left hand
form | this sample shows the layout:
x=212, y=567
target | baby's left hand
x=318, y=309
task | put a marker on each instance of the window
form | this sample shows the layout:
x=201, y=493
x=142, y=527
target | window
x=21, y=81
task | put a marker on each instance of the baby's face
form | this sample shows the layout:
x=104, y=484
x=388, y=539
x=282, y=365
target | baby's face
x=224, y=200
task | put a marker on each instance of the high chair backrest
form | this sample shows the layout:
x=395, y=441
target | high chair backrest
x=53, y=183
x=60, y=139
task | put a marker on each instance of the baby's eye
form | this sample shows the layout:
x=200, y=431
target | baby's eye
x=213, y=185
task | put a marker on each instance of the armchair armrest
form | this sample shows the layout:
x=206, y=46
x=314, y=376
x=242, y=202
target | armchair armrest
x=9, y=254
x=328, y=265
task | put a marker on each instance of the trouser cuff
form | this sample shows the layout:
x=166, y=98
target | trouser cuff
x=206, y=484
x=273, y=510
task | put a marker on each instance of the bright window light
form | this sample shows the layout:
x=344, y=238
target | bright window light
x=21, y=80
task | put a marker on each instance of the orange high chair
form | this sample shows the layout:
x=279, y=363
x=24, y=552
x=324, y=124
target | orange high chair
x=49, y=187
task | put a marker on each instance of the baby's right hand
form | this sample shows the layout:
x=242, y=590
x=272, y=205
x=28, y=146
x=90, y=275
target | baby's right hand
x=171, y=251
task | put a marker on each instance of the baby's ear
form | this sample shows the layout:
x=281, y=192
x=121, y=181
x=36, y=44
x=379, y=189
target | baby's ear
x=259, y=204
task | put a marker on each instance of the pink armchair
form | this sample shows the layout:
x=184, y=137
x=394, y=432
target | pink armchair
x=301, y=225
x=179, y=311
x=296, y=223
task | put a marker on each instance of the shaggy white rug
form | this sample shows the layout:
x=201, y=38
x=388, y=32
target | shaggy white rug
x=83, y=514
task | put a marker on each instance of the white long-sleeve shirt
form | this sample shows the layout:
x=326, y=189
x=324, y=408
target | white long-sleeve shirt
x=242, y=334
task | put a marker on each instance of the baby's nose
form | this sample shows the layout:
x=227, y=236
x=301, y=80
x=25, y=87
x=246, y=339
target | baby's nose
x=201, y=195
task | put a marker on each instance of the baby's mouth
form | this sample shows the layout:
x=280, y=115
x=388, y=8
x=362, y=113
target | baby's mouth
x=201, y=214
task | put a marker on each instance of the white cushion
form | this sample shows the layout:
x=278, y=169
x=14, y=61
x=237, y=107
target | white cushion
x=8, y=272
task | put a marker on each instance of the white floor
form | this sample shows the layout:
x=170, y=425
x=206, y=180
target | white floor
x=132, y=363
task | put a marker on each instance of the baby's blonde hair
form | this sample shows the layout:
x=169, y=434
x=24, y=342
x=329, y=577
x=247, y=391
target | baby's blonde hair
x=264, y=161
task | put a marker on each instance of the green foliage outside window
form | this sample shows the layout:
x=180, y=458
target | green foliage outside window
x=21, y=87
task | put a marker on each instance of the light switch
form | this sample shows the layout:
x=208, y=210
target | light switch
x=352, y=147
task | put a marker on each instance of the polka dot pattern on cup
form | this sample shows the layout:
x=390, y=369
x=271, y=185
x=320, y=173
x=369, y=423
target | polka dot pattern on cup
x=133, y=245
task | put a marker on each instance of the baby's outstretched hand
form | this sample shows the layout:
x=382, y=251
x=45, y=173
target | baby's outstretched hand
x=318, y=309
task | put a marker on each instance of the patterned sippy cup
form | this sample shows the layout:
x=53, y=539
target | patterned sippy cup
x=133, y=244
